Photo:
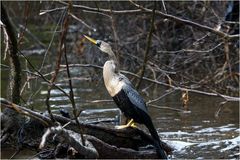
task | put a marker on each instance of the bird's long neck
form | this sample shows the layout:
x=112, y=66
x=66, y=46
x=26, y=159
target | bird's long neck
x=113, y=57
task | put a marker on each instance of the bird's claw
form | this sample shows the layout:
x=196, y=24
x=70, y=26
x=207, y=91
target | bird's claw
x=133, y=125
x=129, y=124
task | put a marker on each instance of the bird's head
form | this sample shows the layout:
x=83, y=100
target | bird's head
x=103, y=46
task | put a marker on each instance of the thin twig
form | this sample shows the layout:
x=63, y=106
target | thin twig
x=52, y=38
x=35, y=38
x=26, y=14
x=154, y=100
x=113, y=24
x=15, y=153
x=192, y=50
x=75, y=112
x=165, y=107
x=42, y=12
x=164, y=7
x=87, y=11
x=231, y=22
x=81, y=21
x=149, y=40
x=226, y=52
x=220, y=106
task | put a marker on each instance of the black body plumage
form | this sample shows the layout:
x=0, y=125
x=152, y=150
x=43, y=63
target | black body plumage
x=133, y=106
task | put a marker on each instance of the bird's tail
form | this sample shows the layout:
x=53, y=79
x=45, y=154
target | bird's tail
x=156, y=140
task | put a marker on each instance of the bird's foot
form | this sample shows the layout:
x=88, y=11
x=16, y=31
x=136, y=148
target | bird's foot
x=133, y=125
x=129, y=124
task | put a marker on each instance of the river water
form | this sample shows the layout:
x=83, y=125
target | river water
x=194, y=134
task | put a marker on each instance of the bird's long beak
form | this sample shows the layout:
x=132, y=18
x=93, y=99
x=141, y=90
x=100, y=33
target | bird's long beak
x=91, y=40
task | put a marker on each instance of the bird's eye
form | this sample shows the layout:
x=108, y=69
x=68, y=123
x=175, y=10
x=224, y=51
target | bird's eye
x=98, y=43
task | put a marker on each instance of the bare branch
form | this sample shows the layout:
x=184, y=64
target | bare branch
x=81, y=21
x=42, y=12
x=22, y=110
x=229, y=98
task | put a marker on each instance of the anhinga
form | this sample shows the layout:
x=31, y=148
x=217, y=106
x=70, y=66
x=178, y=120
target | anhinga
x=125, y=96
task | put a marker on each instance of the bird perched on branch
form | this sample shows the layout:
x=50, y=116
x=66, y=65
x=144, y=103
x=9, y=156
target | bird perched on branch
x=125, y=96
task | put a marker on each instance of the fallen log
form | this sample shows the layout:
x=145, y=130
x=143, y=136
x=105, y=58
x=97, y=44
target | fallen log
x=126, y=138
x=108, y=141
